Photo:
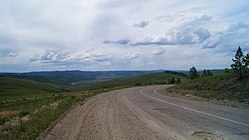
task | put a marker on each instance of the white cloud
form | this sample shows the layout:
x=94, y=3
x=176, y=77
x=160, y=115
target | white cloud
x=159, y=52
x=141, y=24
x=100, y=57
x=34, y=35
x=121, y=41
x=8, y=53
x=211, y=43
x=202, y=33
x=12, y=54
x=133, y=56
x=90, y=50
x=60, y=58
x=187, y=30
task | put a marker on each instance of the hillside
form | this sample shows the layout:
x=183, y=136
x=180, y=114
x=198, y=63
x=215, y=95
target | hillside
x=141, y=80
x=220, y=87
x=11, y=88
x=72, y=77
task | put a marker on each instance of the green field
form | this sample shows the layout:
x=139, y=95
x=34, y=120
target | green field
x=11, y=88
x=219, y=87
x=141, y=80
x=28, y=107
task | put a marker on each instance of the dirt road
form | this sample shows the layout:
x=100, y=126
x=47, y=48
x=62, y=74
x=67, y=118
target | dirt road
x=142, y=113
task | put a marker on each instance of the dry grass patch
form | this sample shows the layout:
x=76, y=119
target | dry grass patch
x=9, y=113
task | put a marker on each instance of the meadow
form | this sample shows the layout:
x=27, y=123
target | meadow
x=28, y=108
x=224, y=87
x=140, y=80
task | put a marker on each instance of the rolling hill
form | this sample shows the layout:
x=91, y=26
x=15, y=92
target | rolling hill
x=72, y=77
x=140, y=80
x=11, y=88
x=220, y=87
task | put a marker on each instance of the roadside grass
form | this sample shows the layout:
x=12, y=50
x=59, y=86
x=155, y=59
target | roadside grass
x=26, y=119
x=221, y=87
x=141, y=80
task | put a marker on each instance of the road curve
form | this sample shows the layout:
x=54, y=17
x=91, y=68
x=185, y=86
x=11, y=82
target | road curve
x=143, y=113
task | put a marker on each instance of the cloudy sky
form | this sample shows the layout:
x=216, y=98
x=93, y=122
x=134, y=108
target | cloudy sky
x=37, y=35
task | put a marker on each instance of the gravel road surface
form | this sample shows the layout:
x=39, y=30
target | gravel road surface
x=142, y=113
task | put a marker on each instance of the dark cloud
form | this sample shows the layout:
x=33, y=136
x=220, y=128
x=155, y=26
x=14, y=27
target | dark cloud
x=141, y=24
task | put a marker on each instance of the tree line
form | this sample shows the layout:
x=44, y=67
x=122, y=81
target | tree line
x=239, y=67
x=193, y=73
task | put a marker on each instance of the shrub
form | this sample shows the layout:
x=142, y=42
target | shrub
x=24, y=113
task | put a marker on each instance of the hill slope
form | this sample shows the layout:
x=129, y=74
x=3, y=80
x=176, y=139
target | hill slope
x=147, y=79
x=69, y=77
x=11, y=88
x=221, y=87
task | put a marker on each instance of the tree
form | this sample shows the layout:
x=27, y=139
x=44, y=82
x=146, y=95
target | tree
x=226, y=70
x=193, y=73
x=246, y=60
x=178, y=81
x=204, y=73
x=169, y=81
x=209, y=73
x=172, y=80
x=238, y=63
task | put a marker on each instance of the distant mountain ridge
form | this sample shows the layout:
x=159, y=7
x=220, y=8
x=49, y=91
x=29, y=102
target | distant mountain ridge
x=71, y=77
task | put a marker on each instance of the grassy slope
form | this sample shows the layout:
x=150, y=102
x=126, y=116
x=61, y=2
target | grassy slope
x=221, y=87
x=67, y=77
x=147, y=79
x=23, y=117
x=41, y=112
x=11, y=88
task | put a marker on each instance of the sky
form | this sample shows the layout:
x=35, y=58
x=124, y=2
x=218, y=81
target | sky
x=93, y=35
